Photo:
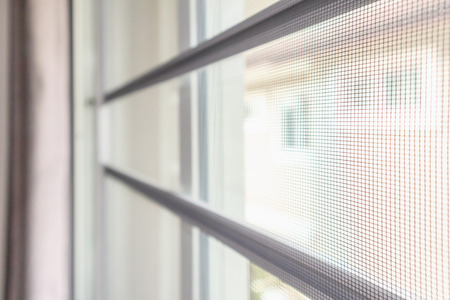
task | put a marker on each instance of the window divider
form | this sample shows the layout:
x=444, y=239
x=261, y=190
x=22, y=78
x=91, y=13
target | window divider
x=308, y=274
x=278, y=20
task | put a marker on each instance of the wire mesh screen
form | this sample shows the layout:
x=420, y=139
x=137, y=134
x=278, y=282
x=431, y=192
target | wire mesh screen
x=325, y=126
x=335, y=139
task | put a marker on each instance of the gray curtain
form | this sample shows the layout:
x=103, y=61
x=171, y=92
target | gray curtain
x=39, y=187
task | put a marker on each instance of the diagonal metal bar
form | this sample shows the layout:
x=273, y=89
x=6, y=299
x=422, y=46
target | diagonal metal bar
x=278, y=20
x=309, y=274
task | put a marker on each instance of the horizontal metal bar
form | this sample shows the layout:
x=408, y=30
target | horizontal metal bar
x=309, y=274
x=278, y=20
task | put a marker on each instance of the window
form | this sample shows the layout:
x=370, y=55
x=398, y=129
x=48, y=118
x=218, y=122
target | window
x=295, y=125
x=256, y=149
x=401, y=87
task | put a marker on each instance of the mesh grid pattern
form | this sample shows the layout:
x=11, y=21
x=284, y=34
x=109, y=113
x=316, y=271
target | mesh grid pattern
x=345, y=144
x=333, y=138
x=156, y=32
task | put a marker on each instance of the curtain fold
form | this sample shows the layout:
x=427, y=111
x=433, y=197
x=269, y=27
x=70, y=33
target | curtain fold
x=39, y=200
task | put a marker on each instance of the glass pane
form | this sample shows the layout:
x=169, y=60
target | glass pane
x=265, y=286
x=142, y=247
x=140, y=134
x=137, y=36
x=215, y=16
x=232, y=276
x=145, y=256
